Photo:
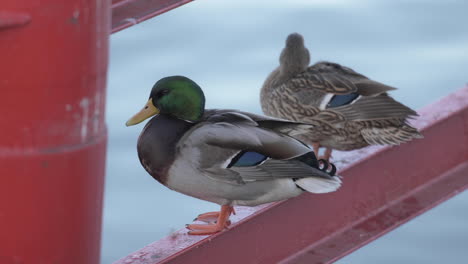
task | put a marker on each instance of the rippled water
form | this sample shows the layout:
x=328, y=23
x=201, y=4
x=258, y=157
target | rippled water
x=229, y=47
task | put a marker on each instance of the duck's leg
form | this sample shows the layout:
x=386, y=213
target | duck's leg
x=211, y=217
x=327, y=155
x=316, y=147
x=211, y=228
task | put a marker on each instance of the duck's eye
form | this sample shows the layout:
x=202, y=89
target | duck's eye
x=162, y=93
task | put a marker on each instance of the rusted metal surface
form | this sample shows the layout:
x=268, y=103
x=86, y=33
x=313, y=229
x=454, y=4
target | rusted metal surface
x=53, y=136
x=126, y=13
x=383, y=188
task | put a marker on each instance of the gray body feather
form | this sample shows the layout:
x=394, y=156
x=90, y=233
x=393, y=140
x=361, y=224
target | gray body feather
x=199, y=159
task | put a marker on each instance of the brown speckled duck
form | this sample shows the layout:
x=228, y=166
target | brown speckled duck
x=351, y=110
x=226, y=157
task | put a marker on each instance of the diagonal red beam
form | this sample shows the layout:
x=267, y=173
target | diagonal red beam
x=126, y=13
x=383, y=188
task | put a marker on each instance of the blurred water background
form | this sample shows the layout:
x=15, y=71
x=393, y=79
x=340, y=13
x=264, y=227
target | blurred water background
x=229, y=47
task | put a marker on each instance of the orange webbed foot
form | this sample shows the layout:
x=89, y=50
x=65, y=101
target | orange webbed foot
x=209, y=217
x=217, y=221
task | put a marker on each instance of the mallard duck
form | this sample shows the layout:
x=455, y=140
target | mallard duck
x=353, y=110
x=226, y=157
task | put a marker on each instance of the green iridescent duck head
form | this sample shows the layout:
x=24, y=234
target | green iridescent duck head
x=177, y=96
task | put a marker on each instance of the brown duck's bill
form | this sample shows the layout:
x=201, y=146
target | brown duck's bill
x=148, y=110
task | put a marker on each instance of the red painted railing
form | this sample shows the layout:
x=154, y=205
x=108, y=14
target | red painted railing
x=126, y=13
x=53, y=62
x=383, y=188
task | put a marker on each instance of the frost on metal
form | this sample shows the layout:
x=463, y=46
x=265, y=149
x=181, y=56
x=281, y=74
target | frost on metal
x=180, y=240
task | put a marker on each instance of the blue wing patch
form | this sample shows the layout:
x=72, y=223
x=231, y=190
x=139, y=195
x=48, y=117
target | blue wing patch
x=247, y=159
x=340, y=100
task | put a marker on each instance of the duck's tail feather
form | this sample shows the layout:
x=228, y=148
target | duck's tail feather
x=319, y=185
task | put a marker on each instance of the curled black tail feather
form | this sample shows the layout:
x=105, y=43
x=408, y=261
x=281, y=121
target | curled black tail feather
x=323, y=165
x=327, y=167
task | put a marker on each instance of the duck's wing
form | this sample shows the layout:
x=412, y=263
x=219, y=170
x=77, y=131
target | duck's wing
x=390, y=135
x=327, y=83
x=236, y=149
x=337, y=79
x=309, y=178
x=326, y=78
x=315, y=127
x=382, y=106
x=350, y=96
x=238, y=130
x=283, y=126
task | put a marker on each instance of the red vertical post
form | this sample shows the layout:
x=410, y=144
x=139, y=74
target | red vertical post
x=53, y=62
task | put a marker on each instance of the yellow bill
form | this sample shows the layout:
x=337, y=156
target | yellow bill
x=148, y=111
